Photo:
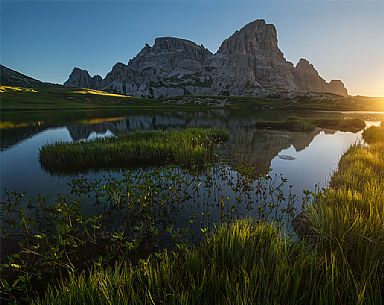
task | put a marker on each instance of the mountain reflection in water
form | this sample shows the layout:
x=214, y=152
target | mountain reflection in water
x=249, y=151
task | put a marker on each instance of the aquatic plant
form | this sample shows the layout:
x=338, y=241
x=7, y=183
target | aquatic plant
x=105, y=220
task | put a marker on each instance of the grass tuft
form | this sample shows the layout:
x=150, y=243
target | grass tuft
x=374, y=134
x=347, y=222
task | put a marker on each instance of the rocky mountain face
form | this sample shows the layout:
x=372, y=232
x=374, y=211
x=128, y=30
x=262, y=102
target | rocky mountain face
x=309, y=80
x=81, y=78
x=249, y=63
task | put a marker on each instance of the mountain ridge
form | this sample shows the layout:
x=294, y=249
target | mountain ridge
x=9, y=77
x=248, y=63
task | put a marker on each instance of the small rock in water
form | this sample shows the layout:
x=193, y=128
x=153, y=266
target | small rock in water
x=286, y=157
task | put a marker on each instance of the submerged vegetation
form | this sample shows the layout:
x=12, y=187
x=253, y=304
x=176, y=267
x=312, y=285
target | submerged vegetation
x=188, y=147
x=111, y=219
x=309, y=124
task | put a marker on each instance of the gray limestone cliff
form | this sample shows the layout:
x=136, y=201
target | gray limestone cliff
x=248, y=63
x=309, y=80
x=81, y=79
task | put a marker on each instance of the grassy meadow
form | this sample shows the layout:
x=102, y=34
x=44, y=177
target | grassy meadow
x=186, y=147
x=32, y=99
x=21, y=99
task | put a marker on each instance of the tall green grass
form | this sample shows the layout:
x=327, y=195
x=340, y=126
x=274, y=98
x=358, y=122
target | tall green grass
x=243, y=263
x=374, y=134
x=348, y=220
x=182, y=147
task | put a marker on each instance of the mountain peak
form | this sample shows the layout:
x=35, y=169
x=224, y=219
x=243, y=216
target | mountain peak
x=254, y=37
x=173, y=43
x=257, y=25
x=81, y=78
x=248, y=63
x=309, y=80
x=167, y=53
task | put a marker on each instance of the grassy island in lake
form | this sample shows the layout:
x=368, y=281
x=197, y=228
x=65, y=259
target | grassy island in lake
x=309, y=124
x=182, y=147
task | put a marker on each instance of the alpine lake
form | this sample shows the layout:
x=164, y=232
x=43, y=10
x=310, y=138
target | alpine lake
x=257, y=173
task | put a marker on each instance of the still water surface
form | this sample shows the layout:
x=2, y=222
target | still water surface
x=306, y=159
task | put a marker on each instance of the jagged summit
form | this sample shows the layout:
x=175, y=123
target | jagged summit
x=81, y=78
x=248, y=63
x=169, y=53
x=174, y=43
x=309, y=80
x=259, y=36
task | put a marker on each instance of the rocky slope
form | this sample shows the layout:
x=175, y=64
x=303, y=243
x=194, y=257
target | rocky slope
x=249, y=63
x=9, y=77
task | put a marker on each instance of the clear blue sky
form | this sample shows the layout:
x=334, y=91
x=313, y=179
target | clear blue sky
x=343, y=39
